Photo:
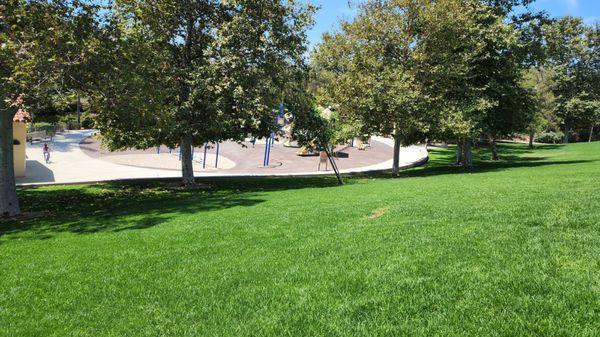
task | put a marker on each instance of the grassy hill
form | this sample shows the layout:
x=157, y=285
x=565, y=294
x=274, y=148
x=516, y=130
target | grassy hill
x=512, y=248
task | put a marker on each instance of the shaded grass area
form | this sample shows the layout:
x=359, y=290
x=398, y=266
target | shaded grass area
x=511, y=248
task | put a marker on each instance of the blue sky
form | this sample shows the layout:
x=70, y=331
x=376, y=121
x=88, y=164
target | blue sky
x=332, y=10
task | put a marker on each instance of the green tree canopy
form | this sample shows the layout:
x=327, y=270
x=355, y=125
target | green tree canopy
x=368, y=73
x=187, y=73
x=471, y=69
x=574, y=53
x=33, y=63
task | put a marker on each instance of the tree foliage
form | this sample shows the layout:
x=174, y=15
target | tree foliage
x=418, y=69
x=368, y=72
x=33, y=62
x=574, y=53
x=188, y=73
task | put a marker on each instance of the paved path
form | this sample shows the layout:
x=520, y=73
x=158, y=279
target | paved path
x=70, y=164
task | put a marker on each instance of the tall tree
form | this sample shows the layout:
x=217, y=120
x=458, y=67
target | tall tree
x=500, y=71
x=447, y=52
x=368, y=71
x=9, y=204
x=575, y=58
x=31, y=35
x=77, y=42
x=537, y=76
x=22, y=28
x=190, y=72
x=472, y=71
x=543, y=118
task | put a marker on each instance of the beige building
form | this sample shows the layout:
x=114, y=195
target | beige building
x=20, y=142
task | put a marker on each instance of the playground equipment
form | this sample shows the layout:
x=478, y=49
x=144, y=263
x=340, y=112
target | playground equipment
x=216, y=156
x=280, y=122
x=361, y=143
x=206, y=146
x=307, y=151
x=286, y=130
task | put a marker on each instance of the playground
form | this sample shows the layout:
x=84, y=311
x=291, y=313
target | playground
x=78, y=156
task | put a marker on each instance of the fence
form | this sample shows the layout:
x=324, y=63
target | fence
x=44, y=131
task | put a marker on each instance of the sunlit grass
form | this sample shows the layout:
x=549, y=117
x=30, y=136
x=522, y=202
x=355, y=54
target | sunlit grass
x=510, y=249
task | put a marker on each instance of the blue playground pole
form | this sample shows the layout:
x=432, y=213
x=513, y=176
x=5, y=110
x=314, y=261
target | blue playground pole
x=204, y=160
x=280, y=115
x=179, y=153
x=270, y=142
x=158, y=149
x=269, y=145
x=267, y=149
x=217, y=158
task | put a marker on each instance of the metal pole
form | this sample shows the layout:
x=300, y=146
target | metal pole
x=193, y=151
x=334, y=166
x=265, y=160
x=269, y=144
x=179, y=152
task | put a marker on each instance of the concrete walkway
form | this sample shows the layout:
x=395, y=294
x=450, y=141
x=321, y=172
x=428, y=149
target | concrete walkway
x=69, y=164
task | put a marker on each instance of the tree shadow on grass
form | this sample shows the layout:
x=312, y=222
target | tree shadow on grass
x=137, y=205
x=442, y=161
x=142, y=204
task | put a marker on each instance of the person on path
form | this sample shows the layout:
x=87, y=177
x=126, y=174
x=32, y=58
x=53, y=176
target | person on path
x=46, y=151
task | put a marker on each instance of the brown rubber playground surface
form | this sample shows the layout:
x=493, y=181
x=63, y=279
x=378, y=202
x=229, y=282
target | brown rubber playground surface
x=237, y=159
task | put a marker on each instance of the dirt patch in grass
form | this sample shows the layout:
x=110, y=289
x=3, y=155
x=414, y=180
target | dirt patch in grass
x=378, y=213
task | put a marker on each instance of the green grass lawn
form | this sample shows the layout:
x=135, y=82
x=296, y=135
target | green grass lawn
x=511, y=249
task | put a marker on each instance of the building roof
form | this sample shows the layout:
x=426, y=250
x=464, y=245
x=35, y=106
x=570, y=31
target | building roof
x=22, y=116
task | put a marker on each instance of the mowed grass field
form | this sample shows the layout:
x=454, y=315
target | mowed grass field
x=510, y=249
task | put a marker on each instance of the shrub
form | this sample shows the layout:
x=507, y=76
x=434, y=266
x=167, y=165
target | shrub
x=87, y=121
x=70, y=122
x=550, y=137
x=41, y=126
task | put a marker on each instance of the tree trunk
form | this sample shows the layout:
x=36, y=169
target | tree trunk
x=459, y=152
x=187, y=165
x=397, y=145
x=78, y=111
x=591, y=134
x=531, y=136
x=566, y=137
x=9, y=204
x=494, y=149
x=467, y=161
